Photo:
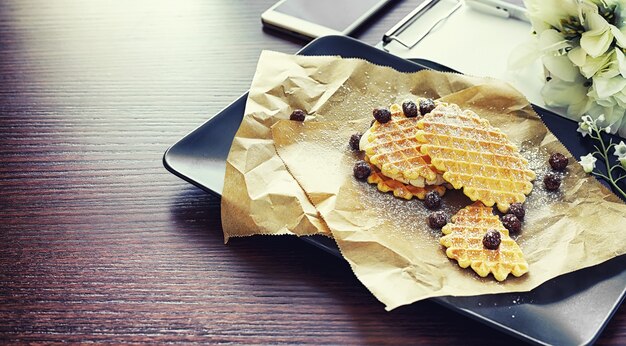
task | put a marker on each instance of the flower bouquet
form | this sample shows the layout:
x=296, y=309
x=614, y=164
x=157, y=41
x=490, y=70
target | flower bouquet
x=581, y=44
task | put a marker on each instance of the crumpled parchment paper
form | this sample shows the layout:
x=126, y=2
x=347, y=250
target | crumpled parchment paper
x=286, y=177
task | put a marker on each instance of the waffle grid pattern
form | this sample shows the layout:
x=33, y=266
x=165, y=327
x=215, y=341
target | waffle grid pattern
x=475, y=156
x=395, y=150
x=463, y=239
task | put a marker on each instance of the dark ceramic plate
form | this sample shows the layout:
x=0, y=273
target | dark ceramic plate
x=572, y=309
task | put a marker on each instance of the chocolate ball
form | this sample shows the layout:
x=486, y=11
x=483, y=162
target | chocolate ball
x=552, y=181
x=558, y=161
x=355, y=139
x=432, y=200
x=409, y=108
x=512, y=223
x=362, y=170
x=426, y=106
x=382, y=115
x=517, y=209
x=437, y=219
x=297, y=115
x=492, y=239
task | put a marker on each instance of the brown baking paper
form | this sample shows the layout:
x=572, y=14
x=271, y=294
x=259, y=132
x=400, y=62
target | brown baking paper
x=386, y=240
x=259, y=195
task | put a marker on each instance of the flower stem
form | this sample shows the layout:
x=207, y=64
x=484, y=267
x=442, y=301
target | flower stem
x=609, y=168
x=601, y=175
x=590, y=127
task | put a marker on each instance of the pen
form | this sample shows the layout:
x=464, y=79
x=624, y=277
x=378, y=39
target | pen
x=392, y=34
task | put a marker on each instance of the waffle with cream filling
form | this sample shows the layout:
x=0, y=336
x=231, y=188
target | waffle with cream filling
x=399, y=189
x=394, y=149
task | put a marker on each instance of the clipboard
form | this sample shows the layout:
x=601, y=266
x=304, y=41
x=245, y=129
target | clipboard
x=470, y=41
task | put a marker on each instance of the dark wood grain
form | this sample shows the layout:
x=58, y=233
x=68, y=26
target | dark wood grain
x=99, y=243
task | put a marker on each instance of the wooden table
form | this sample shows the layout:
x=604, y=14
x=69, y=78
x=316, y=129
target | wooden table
x=99, y=243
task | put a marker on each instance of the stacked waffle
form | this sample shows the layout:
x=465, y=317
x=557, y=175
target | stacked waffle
x=393, y=151
x=453, y=148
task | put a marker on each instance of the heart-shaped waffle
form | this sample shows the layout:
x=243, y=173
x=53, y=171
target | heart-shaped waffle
x=463, y=238
x=474, y=156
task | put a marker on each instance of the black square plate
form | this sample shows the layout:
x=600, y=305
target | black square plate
x=571, y=309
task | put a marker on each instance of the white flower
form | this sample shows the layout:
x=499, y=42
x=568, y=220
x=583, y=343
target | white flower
x=598, y=39
x=582, y=46
x=609, y=81
x=620, y=150
x=620, y=99
x=547, y=14
x=605, y=88
x=620, y=61
x=559, y=93
x=576, y=109
x=588, y=162
x=561, y=67
x=589, y=66
x=551, y=45
x=612, y=116
x=584, y=127
x=622, y=128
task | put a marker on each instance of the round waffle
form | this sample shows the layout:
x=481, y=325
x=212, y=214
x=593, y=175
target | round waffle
x=474, y=156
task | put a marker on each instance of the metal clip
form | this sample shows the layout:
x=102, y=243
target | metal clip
x=392, y=35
